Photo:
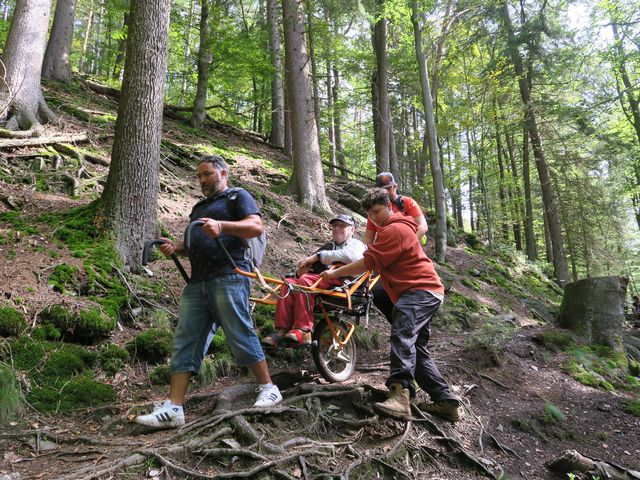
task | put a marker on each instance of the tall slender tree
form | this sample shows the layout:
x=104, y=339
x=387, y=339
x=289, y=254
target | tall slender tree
x=276, y=137
x=307, y=163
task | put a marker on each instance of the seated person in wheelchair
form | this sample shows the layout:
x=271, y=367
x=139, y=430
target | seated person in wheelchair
x=294, y=311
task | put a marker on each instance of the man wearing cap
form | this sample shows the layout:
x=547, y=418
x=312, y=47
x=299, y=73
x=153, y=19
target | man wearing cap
x=294, y=313
x=399, y=203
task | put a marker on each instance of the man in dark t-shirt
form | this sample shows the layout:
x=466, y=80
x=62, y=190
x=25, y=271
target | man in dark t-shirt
x=215, y=294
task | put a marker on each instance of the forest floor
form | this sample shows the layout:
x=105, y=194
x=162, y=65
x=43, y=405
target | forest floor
x=521, y=407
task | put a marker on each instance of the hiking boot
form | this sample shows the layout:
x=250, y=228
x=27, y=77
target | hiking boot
x=274, y=338
x=302, y=337
x=398, y=405
x=164, y=415
x=447, y=409
x=268, y=396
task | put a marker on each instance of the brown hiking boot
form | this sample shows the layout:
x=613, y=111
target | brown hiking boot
x=398, y=405
x=447, y=409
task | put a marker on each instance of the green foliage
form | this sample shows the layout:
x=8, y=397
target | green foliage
x=367, y=339
x=471, y=239
x=633, y=407
x=12, y=399
x=552, y=414
x=455, y=299
x=161, y=375
x=83, y=326
x=154, y=345
x=213, y=368
x=112, y=358
x=12, y=322
x=492, y=335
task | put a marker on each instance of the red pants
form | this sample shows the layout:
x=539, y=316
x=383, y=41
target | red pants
x=296, y=310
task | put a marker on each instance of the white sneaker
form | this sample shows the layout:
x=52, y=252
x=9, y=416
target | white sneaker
x=163, y=416
x=268, y=396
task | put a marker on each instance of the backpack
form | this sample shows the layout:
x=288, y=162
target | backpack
x=254, y=247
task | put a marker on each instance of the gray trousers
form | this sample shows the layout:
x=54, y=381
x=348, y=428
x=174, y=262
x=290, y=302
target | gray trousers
x=410, y=357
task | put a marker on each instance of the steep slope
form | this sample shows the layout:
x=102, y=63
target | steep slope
x=530, y=392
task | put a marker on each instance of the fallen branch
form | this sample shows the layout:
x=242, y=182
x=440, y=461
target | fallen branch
x=26, y=142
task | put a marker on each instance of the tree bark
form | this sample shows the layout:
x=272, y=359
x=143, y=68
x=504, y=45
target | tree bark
x=548, y=195
x=130, y=196
x=205, y=57
x=21, y=100
x=277, y=89
x=432, y=136
x=307, y=163
x=529, y=234
x=187, y=54
x=337, y=119
x=314, y=70
x=56, y=64
x=382, y=85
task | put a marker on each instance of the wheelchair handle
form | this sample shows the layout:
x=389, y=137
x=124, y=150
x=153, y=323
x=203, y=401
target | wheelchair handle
x=145, y=257
x=187, y=241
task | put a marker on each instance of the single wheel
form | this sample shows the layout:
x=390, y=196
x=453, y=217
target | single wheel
x=335, y=364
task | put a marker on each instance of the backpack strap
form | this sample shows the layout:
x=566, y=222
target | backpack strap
x=399, y=202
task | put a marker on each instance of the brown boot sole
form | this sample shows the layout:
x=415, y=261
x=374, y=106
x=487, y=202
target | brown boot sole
x=378, y=407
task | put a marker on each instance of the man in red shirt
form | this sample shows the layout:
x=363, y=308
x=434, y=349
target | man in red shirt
x=411, y=281
x=407, y=206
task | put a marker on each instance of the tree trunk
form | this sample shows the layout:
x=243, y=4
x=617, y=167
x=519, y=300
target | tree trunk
x=337, y=119
x=277, y=89
x=131, y=192
x=431, y=134
x=331, y=125
x=205, y=57
x=187, y=54
x=21, y=100
x=314, y=70
x=382, y=85
x=85, y=42
x=288, y=141
x=56, y=64
x=518, y=213
x=529, y=234
x=307, y=163
x=122, y=50
x=548, y=195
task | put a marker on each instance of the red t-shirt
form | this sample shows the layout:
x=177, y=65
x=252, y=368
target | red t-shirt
x=411, y=207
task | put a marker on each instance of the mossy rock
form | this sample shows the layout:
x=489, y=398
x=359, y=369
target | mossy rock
x=153, y=346
x=66, y=395
x=112, y=358
x=632, y=407
x=83, y=326
x=12, y=322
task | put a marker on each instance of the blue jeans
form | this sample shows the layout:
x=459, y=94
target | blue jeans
x=223, y=301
